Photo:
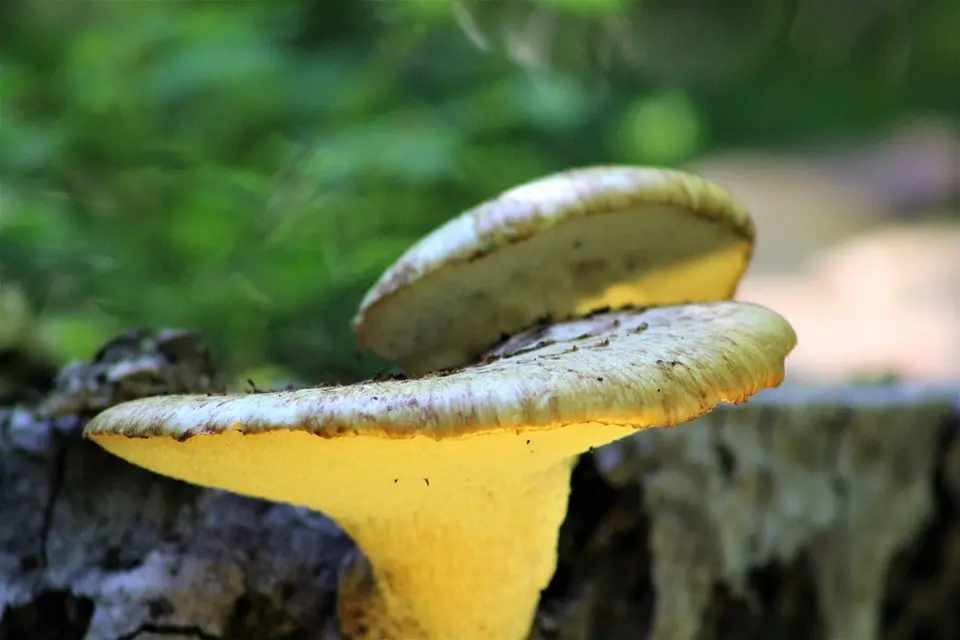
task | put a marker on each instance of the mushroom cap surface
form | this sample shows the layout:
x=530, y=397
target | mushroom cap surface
x=546, y=394
x=605, y=236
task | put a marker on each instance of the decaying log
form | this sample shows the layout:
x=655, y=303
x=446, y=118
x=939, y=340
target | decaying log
x=829, y=514
x=832, y=483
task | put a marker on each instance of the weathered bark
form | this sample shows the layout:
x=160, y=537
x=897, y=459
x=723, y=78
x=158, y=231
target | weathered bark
x=806, y=514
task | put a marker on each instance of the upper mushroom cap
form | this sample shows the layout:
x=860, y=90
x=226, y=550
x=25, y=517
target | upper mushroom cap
x=544, y=395
x=557, y=247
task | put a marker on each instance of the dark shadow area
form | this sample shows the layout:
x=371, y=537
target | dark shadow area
x=55, y=615
x=923, y=585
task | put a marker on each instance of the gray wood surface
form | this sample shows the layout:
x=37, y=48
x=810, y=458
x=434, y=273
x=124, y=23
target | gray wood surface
x=807, y=513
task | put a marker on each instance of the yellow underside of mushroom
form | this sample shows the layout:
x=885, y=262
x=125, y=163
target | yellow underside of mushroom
x=462, y=539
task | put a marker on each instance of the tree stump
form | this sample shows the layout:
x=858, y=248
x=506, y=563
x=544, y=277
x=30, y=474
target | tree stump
x=827, y=514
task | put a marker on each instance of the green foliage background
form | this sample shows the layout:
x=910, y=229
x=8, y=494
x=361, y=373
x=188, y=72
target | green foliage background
x=249, y=168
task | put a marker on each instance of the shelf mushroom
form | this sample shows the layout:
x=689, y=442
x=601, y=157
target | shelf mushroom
x=560, y=246
x=454, y=485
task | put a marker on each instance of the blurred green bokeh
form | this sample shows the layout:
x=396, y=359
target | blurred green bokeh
x=249, y=168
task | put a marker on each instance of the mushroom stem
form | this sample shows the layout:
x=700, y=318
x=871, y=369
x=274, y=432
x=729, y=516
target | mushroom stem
x=483, y=575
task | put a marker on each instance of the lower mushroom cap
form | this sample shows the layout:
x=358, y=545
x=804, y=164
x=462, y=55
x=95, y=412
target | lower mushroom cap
x=559, y=247
x=632, y=367
x=455, y=484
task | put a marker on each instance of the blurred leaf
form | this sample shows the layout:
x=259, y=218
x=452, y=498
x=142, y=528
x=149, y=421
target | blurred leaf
x=662, y=128
x=76, y=336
